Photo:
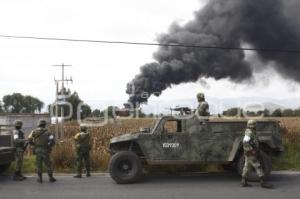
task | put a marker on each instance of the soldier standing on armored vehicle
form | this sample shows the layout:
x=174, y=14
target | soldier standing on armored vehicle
x=43, y=141
x=83, y=147
x=20, y=144
x=252, y=153
x=203, y=107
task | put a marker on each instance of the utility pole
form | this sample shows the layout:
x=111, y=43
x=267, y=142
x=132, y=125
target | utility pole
x=63, y=97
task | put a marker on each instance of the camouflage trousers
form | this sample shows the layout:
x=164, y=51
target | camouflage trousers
x=19, y=159
x=82, y=157
x=43, y=157
x=252, y=161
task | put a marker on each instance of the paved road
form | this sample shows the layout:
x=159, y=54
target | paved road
x=200, y=186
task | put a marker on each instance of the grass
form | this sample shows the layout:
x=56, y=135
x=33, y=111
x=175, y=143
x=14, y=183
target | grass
x=28, y=165
x=290, y=159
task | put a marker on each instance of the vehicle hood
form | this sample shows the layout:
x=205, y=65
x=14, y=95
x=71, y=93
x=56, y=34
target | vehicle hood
x=125, y=137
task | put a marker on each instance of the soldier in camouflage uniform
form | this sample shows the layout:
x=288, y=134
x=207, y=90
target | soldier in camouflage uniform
x=251, y=150
x=203, y=107
x=83, y=147
x=43, y=141
x=20, y=143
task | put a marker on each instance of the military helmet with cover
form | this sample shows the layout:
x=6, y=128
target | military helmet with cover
x=18, y=123
x=251, y=124
x=200, y=96
x=42, y=123
x=83, y=127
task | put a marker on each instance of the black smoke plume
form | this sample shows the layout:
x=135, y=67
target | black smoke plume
x=271, y=24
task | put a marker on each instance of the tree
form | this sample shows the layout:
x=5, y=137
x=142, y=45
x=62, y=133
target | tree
x=96, y=113
x=287, y=113
x=85, y=111
x=75, y=101
x=1, y=107
x=264, y=113
x=150, y=115
x=111, y=111
x=277, y=113
x=17, y=103
x=32, y=104
x=297, y=112
x=237, y=112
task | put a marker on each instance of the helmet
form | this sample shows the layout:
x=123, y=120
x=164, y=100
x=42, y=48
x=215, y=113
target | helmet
x=200, y=95
x=42, y=123
x=83, y=127
x=251, y=124
x=18, y=123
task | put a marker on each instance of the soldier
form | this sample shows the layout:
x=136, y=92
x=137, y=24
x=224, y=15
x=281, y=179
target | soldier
x=203, y=107
x=20, y=145
x=251, y=153
x=83, y=147
x=43, y=141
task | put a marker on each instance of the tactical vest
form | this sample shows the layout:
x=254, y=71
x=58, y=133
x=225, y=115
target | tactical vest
x=253, y=138
x=19, y=142
x=40, y=138
x=203, y=109
x=83, y=141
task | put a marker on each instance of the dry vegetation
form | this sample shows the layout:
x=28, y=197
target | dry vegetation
x=290, y=160
x=63, y=153
x=291, y=126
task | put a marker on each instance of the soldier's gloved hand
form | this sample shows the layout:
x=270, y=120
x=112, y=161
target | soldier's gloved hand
x=253, y=152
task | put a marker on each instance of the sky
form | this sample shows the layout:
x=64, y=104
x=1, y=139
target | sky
x=101, y=71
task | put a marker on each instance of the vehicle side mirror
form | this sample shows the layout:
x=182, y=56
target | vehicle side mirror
x=145, y=130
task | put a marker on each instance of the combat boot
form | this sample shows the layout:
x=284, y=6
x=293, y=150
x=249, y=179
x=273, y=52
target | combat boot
x=265, y=185
x=88, y=173
x=16, y=176
x=78, y=176
x=245, y=183
x=40, y=177
x=51, y=178
x=21, y=176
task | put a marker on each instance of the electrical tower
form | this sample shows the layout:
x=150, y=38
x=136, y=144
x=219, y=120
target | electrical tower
x=61, y=98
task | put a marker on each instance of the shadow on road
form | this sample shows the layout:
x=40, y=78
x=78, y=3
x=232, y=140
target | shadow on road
x=4, y=178
x=281, y=179
x=191, y=177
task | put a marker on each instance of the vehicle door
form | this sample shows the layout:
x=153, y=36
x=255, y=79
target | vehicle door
x=220, y=142
x=166, y=143
x=197, y=140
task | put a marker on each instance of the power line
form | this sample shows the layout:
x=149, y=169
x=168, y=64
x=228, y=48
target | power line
x=273, y=50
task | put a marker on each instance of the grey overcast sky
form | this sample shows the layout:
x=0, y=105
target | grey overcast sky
x=101, y=71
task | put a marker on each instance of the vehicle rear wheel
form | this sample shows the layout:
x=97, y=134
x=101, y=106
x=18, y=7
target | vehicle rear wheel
x=125, y=167
x=252, y=176
x=4, y=167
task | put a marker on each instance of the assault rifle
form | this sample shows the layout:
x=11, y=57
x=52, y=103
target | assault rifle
x=183, y=110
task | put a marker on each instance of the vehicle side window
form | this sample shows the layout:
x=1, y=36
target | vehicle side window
x=172, y=126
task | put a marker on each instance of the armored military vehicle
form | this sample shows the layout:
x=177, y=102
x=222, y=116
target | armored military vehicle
x=6, y=149
x=188, y=140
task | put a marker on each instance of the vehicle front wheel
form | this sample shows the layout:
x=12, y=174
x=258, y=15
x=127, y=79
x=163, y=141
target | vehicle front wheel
x=4, y=167
x=266, y=164
x=125, y=167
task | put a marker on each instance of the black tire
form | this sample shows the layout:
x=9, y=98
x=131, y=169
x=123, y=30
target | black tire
x=4, y=167
x=125, y=167
x=252, y=176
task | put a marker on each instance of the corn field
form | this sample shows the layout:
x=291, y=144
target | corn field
x=63, y=153
x=291, y=126
x=64, y=159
